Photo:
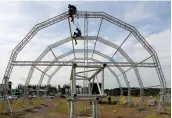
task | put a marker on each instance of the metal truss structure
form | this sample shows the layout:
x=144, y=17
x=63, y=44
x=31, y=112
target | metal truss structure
x=81, y=64
x=86, y=95
x=89, y=51
x=86, y=64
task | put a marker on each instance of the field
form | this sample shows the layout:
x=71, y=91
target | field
x=58, y=108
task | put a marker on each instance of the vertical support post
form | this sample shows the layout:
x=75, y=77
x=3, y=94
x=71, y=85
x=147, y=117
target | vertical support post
x=71, y=87
x=73, y=90
x=37, y=90
x=74, y=80
x=94, y=109
x=85, y=82
x=89, y=87
x=92, y=85
x=7, y=105
x=102, y=88
x=121, y=92
x=69, y=108
x=85, y=50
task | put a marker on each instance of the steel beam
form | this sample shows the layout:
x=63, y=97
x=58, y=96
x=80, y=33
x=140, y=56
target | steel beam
x=97, y=72
x=120, y=45
x=139, y=62
x=42, y=71
x=100, y=91
x=81, y=64
x=85, y=52
x=81, y=79
x=86, y=71
x=53, y=54
x=81, y=76
x=97, y=37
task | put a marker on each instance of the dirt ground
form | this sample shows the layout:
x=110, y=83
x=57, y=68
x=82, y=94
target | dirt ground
x=118, y=112
x=58, y=108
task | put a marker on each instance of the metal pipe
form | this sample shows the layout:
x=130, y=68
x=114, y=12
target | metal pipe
x=71, y=37
x=42, y=71
x=102, y=87
x=121, y=45
x=85, y=71
x=98, y=85
x=97, y=72
x=53, y=54
x=97, y=37
x=137, y=63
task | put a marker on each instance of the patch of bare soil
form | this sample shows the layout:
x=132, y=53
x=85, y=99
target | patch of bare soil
x=108, y=112
x=39, y=112
x=120, y=112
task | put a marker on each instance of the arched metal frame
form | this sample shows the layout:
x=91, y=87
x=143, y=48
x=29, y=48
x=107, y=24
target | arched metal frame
x=83, y=14
x=81, y=51
x=70, y=52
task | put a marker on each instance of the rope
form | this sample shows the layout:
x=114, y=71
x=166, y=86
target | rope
x=76, y=25
x=71, y=37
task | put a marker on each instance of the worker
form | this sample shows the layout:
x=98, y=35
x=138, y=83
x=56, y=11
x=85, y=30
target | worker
x=109, y=100
x=76, y=35
x=72, y=11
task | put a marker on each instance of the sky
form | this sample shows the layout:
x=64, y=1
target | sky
x=151, y=19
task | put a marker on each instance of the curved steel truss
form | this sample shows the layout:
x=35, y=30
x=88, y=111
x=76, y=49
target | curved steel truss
x=86, y=16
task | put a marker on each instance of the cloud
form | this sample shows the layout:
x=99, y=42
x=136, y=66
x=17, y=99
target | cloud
x=137, y=12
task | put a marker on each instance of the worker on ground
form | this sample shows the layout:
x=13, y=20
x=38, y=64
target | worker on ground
x=109, y=100
x=72, y=11
x=76, y=35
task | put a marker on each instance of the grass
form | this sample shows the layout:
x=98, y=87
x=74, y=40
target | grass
x=135, y=99
x=61, y=107
x=18, y=105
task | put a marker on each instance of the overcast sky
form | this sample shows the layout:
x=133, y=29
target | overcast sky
x=152, y=20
